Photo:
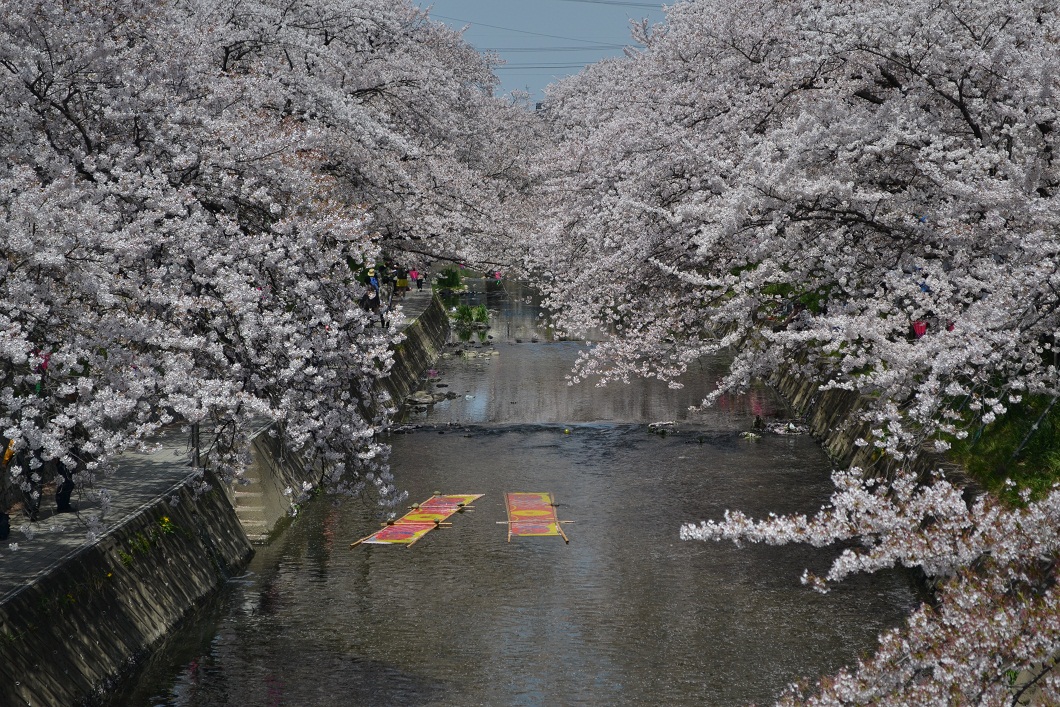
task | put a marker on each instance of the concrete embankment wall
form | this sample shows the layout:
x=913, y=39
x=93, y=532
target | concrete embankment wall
x=423, y=342
x=66, y=633
x=833, y=417
x=272, y=483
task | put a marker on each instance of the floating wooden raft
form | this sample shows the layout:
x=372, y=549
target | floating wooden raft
x=533, y=514
x=419, y=521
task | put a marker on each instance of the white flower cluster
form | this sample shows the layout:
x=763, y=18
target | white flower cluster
x=866, y=194
x=188, y=194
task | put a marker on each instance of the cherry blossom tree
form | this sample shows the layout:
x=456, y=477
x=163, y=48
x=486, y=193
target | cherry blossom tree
x=778, y=191
x=406, y=103
x=187, y=192
x=862, y=194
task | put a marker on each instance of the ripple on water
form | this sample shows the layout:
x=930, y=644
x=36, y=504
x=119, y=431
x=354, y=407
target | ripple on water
x=626, y=614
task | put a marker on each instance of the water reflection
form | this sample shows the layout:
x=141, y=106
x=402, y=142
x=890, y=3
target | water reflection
x=626, y=614
x=519, y=376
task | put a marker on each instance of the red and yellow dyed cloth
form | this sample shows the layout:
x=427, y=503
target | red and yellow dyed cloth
x=532, y=514
x=419, y=521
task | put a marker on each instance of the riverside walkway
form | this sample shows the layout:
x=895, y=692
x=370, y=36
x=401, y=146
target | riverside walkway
x=138, y=480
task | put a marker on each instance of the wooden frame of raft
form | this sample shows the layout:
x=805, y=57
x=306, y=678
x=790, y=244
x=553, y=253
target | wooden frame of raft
x=420, y=520
x=533, y=515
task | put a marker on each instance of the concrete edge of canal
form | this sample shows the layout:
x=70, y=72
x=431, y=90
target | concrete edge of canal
x=92, y=615
x=834, y=420
x=99, y=609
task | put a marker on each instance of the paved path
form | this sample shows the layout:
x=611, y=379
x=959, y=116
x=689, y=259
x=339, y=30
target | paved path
x=34, y=548
x=413, y=304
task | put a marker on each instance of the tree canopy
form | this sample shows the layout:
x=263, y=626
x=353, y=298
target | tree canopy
x=863, y=194
x=188, y=190
x=860, y=193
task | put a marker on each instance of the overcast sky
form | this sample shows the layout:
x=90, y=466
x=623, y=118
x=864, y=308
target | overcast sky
x=544, y=40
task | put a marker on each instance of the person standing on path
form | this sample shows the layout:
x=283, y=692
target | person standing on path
x=370, y=303
x=64, y=488
x=414, y=275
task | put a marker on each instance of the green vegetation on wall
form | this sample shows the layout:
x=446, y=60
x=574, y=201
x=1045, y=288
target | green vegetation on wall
x=1023, y=446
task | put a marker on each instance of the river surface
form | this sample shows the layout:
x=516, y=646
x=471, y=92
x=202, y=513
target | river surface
x=626, y=614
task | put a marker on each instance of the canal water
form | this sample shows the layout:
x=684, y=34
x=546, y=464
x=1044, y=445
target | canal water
x=626, y=614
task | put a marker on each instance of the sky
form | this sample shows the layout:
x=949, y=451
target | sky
x=544, y=40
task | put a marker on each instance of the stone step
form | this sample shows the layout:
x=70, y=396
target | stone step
x=245, y=491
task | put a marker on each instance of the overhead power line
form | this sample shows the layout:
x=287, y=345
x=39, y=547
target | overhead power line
x=648, y=5
x=542, y=65
x=523, y=31
x=553, y=49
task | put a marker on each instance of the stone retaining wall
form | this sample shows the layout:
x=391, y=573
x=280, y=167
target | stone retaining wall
x=423, y=343
x=105, y=605
x=833, y=419
x=65, y=635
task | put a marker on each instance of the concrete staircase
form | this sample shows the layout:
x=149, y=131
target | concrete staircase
x=259, y=499
x=249, y=502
